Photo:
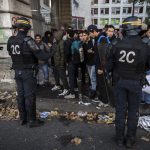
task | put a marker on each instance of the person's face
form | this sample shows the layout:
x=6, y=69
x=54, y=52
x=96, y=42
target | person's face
x=75, y=35
x=38, y=39
x=110, y=32
x=85, y=37
x=148, y=33
x=81, y=36
x=91, y=34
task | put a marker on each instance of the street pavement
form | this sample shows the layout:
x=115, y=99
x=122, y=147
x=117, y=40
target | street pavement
x=57, y=133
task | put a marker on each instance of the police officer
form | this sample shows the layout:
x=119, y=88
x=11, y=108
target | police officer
x=25, y=54
x=127, y=61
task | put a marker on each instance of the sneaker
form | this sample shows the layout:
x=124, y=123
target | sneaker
x=96, y=100
x=65, y=92
x=101, y=104
x=70, y=96
x=55, y=88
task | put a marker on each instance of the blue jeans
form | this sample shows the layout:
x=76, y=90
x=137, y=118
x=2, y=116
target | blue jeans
x=26, y=98
x=128, y=94
x=92, y=75
x=44, y=68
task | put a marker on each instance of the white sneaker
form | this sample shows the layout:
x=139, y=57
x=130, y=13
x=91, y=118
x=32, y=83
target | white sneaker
x=96, y=100
x=65, y=92
x=101, y=104
x=55, y=88
x=70, y=96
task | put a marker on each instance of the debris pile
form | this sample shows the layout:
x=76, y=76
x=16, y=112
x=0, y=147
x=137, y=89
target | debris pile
x=106, y=118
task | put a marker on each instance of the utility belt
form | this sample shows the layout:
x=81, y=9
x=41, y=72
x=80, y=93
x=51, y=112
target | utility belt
x=34, y=68
x=142, y=79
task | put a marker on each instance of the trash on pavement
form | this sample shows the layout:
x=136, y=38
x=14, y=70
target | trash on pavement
x=82, y=114
x=106, y=118
x=54, y=113
x=76, y=141
x=144, y=122
x=44, y=115
x=145, y=139
x=84, y=103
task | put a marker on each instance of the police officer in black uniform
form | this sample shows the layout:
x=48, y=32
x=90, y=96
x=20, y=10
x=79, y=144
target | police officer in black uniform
x=25, y=54
x=127, y=61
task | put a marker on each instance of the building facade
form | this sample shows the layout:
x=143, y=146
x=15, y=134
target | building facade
x=60, y=13
x=43, y=14
x=115, y=11
x=10, y=10
x=81, y=13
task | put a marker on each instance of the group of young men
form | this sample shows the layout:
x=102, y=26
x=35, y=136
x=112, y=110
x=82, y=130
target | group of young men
x=107, y=58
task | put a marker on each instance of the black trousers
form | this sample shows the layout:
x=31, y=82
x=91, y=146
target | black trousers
x=26, y=98
x=60, y=74
x=102, y=88
x=128, y=94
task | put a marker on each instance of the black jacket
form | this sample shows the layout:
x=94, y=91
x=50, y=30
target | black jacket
x=89, y=56
x=24, y=51
x=129, y=57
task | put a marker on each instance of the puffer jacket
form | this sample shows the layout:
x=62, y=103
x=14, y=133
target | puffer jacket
x=59, y=54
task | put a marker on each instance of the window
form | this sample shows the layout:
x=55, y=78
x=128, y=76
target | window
x=129, y=10
x=104, y=1
x=95, y=11
x=115, y=11
x=116, y=1
x=107, y=11
x=125, y=1
x=136, y=10
x=141, y=10
x=115, y=21
x=104, y=21
x=104, y=11
x=95, y=21
x=125, y=10
x=95, y=1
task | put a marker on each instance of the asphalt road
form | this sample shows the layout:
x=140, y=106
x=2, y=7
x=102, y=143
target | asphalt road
x=56, y=134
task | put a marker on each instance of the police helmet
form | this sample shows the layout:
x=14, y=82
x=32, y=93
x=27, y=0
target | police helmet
x=23, y=23
x=132, y=25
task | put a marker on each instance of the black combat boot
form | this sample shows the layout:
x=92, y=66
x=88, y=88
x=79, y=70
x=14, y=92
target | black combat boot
x=120, y=141
x=130, y=142
x=36, y=123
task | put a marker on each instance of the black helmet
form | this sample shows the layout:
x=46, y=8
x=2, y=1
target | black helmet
x=23, y=23
x=132, y=25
